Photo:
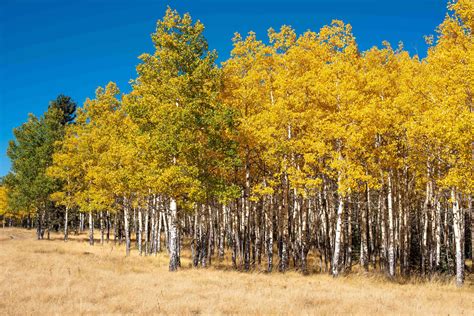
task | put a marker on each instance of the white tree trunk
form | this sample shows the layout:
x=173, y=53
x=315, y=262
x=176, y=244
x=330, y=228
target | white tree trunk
x=127, y=227
x=391, y=250
x=91, y=229
x=81, y=215
x=383, y=241
x=101, y=223
x=438, y=234
x=140, y=231
x=337, y=240
x=457, y=225
x=147, y=240
x=173, y=229
x=269, y=234
x=153, y=230
x=222, y=226
x=364, y=252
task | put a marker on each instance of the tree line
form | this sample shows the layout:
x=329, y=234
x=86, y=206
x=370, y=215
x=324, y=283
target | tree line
x=301, y=146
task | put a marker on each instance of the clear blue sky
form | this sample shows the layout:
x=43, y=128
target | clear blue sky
x=48, y=47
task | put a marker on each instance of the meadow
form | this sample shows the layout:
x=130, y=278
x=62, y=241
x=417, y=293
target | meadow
x=54, y=277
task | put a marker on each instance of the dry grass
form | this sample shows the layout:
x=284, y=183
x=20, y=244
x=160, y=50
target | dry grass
x=53, y=277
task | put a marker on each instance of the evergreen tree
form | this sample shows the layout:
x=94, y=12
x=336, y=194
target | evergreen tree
x=31, y=154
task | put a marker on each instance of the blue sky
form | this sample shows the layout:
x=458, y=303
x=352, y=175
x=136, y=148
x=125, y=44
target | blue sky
x=48, y=47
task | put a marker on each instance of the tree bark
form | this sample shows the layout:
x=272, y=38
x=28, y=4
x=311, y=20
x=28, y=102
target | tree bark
x=66, y=213
x=160, y=218
x=348, y=237
x=269, y=234
x=153, y=228
x=472, y=229
x=140, y=231
x=383, y=238
x=102, y=228
x=222, y=225
x=147, y=233
x=91, y=229
x=437, y=223
x=108, y=221
x=174, y=231
x=365, y=211
x=457, y=226
x=337, y=240
x=38, y=225
x=284, y=215
x=127, y=225
x=391, y=249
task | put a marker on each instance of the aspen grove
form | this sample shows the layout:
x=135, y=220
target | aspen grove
x=296, y=147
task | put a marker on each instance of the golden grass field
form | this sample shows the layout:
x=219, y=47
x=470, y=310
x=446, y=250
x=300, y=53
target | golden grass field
x=54, y=277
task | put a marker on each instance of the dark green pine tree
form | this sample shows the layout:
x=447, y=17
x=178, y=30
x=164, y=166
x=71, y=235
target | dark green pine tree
x=31, y=153
x=67, y=106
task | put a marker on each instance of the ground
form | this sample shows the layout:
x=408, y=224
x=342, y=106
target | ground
x=54, y=277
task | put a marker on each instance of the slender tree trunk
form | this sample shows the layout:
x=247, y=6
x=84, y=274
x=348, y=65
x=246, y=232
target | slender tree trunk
x=91, y=229
x=222, y=226
x=203, y=237
x=327, y=234
x=391, y=249
x=401, y=231
x=437, y=222
x=38, y=224
x=66, y=213
x=147, y=246
x=425, y=222
x=246, y=211
x=210, y=235
x=140, y=231
x=349, y=239
x=158, y=232
x=83, y=224
x=365, y=211
x=135, y=226
x=372, y=237
x=126, y=222
x=153, y=229
x=306, y=208
x=285, y=209
x=102, y=227
x=48, y=220
x=116, y=224
x=195, y=243
x=269, y=235
x=337, y=240
x=108, y=224
x=457, y=226
x=447, y=239
x=383, y=232
x=174, y=239
x=235, y=237
x=166, y=227
x=470, y=215
x=258, y=232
